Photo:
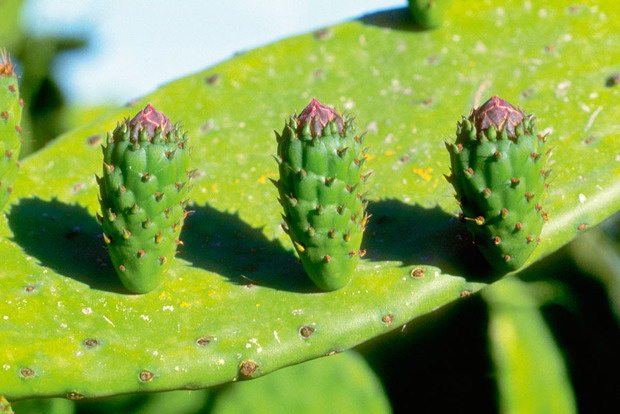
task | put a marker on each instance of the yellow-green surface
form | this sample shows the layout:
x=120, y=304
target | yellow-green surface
x=68, y=328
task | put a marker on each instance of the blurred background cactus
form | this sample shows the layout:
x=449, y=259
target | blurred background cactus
x=543, y=339
x=46, y=113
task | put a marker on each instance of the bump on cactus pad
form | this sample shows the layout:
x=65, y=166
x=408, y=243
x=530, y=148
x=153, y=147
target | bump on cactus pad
x=498, y=171
x=321, y=191
x=144, y=190
x=10, y=129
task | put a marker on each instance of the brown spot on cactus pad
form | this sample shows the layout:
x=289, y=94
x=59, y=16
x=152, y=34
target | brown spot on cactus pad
x=146, y=376
x=248, y=368
x=91, y=342
x=418, y=273
x=26, y=372
x=94, y=140
x=613, y=80
x=204, y=340
x=213, y=79
x=387, y=320
x=322, y=34
x=306, y=331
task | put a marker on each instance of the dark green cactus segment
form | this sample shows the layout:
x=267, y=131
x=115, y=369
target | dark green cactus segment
x=499, y=174
x=321, y=191
x=10, y=129
x=144, y=191
x=428, y=13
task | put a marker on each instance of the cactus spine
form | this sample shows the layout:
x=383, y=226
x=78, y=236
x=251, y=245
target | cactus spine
x=321, y=191
x=144, y=190
x=10, y=129
x=499, y=174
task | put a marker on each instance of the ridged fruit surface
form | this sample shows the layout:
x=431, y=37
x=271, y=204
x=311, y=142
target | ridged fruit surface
x=144, y=190
x=321, y=191
x=10, y=129
x=498, y=164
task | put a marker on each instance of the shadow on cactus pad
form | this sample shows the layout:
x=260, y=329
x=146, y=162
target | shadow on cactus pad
x=65, y=238
x=415, y=235
x=222, y=243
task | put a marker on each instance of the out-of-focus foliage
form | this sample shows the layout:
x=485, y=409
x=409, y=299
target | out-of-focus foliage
x=530, y=370
x=44, y=104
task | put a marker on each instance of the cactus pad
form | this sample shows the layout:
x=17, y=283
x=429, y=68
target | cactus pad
x=10, y=129
x=498, y=171
x=320, y=160
x=143, y=196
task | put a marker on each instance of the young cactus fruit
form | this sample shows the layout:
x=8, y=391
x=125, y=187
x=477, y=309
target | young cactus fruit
x=10, y=129
x=144, y=191
x=321, y=191
x=499, y=174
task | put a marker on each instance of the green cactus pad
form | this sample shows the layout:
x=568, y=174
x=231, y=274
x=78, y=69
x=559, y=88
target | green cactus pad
x=321, y=190
x=498, y=165
x=10, y=129
x=144, y=190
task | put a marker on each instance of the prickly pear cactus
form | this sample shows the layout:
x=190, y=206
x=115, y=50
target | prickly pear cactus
x=144, y=191
x=321, y=190
x=10, y=129
x=498, y=164
x=68, y=330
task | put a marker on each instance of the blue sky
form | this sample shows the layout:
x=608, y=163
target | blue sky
x=137, y=45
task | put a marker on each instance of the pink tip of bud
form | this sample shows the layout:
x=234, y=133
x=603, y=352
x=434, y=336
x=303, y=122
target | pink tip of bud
x=318, y=116
x=150, y=119
x=498, y=113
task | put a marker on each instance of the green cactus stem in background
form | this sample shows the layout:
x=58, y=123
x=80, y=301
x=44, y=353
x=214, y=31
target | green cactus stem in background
x=428, y=13
x=144, y=190
x=499, y=174
x=321, y=190
x=10, y=129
